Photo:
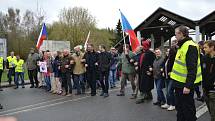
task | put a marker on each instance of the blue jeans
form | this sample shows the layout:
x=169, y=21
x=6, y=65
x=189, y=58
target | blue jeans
x=79, y=82
x=48, y=82
x=170, y=92
x=160, y=95
x=112, y=78
x=17, y=75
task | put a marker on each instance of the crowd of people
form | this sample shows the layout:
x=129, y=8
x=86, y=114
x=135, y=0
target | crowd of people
x=62, y=71
x=181, y=70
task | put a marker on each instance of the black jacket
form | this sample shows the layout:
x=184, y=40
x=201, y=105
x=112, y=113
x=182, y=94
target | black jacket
x=66, y=61
x=56, y=64
x=208, y=71
x=146, y=82
x=91, y=58
x=104, y=61
x=191, y=62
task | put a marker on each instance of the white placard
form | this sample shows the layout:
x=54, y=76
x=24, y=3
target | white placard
x=43, y=67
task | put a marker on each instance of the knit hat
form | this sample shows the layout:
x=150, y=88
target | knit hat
x=146, y=44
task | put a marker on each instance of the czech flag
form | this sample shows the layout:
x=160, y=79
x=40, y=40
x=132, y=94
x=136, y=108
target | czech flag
x=42, y=36
x=127, y=28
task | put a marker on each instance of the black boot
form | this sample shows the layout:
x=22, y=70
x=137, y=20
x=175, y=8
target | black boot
x=1, y=107
x=32, y=86
x=148, y=96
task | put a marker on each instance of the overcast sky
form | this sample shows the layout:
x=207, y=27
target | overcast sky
x=106, y=12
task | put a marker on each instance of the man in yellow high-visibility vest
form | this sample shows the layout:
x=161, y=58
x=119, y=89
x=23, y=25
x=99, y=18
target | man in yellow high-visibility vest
x=11, y=66
x=19, y=71
x=186, y=72
x=2, y=65
x=1, y=71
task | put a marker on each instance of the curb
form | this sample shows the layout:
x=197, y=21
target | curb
x=6, y=85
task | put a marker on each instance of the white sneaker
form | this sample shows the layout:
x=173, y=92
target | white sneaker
x=171, y=108
x=165, y=106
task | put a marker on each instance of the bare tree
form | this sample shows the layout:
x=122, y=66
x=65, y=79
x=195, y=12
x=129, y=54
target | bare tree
x=28, y=22
x=77, y=22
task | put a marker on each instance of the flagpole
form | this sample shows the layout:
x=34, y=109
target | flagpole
x=123, y=33
x=85, y=44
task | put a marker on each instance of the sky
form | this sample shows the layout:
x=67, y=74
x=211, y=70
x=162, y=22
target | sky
x=107, y=13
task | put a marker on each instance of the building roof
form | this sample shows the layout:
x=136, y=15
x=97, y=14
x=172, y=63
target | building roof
x=163, y=17
x=162, y=23
x=207, y=24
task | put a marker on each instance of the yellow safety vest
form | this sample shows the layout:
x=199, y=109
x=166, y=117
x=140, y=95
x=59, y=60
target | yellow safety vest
x=179, y=70
x=1, y=63
x=11, y=61
x=19, y=66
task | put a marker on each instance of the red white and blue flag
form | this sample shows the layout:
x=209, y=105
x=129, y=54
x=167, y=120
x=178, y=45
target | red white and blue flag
x=127, y=28
x=42, y=36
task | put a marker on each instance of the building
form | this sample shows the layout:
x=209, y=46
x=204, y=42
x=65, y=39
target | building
x=3, y=48
x=160, y=25
x=53, y=45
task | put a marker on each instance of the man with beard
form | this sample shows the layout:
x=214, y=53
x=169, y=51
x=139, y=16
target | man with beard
x=79, y=70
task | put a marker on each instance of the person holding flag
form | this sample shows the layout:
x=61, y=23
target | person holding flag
x=31, y=64
x=33, y=57
x=128, y=70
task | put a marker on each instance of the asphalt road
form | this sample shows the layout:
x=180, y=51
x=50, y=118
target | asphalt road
x=37, y=105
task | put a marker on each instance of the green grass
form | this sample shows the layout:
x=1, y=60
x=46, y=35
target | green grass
x=5, y=79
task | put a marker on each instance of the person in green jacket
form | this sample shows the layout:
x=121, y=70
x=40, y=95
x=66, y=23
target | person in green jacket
x=128, y=70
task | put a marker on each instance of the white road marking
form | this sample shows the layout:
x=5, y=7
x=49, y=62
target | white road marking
x=54, y=104
x=28, y=106
x=201, y=110
x=49, y=105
